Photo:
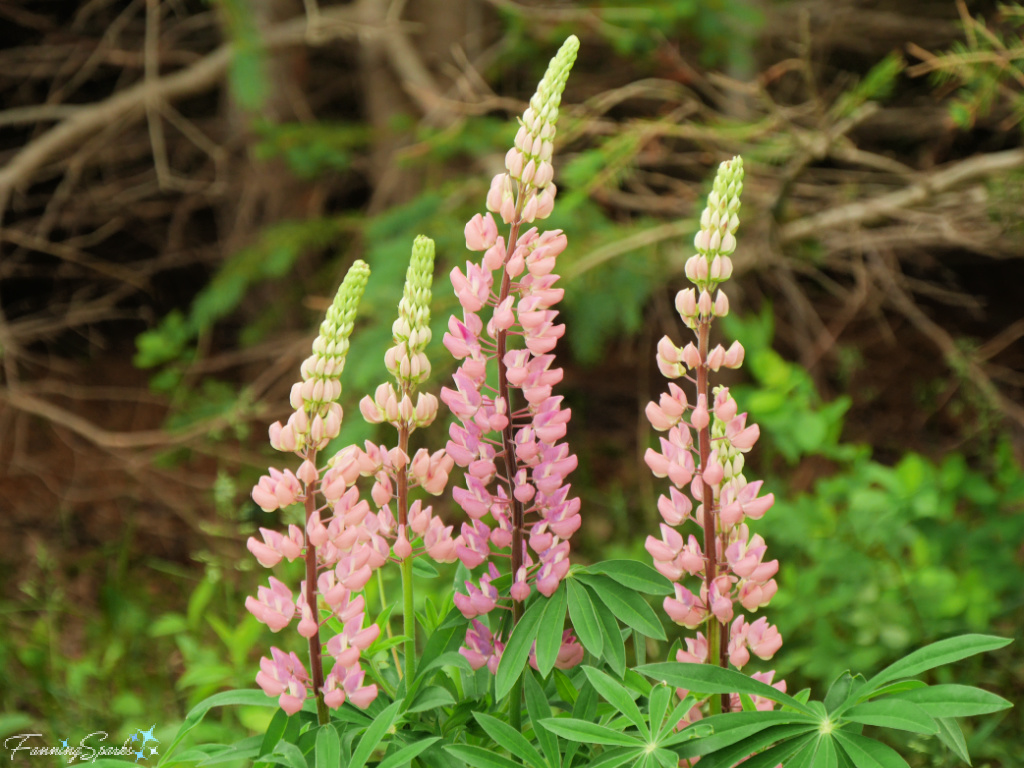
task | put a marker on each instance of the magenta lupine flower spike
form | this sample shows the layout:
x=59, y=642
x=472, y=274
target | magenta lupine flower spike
x=703, y=453
x=507, y=436
x=338, y=551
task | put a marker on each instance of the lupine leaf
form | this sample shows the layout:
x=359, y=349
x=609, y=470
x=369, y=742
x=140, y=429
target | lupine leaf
x=706, y=678
x=937, y=654
x=614, y=648
x=509, y=738
x=781, y=752
x=478, y=757
x=954, y=700
x=631, y=611
x=634, y=575
x=616, y=695
x=285, y=753
x=549, y=636
x=584, y=618
x=735, y=753
x=613, y=758
x=328, y=747
x=657, y=705
x=195, y=715
x=431, y=698
x=405, y=755
x=890, y=713
x=587, y=732
x=374, y=733
x=868, y=753
x=951, y=735
x=825, y=757
x=538, y=708
x=732, y=727
x=585, y=708
x=518, y=649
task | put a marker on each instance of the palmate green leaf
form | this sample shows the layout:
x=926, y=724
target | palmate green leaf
x=738, y=752
x=510, y=739
x=889, y=713
x=478, y=757
x=706, y=678
x=937, y=654
x=405, y=755
x=513, y=659
x=374, y=733
x=628, y=608
x=954, y=700
x=328, y=747
x=733, y=727
x=868, y=753
x=634, y=575
x=549, y=636
x=586, y=732
x=951, y=735
x=584, y=617
x=538, y=708
x=616, y=694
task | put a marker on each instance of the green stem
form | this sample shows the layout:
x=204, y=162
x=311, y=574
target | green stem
x=408, y=621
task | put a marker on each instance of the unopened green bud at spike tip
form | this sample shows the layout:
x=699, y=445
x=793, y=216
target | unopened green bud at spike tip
x=549, y=93
x=406, y=359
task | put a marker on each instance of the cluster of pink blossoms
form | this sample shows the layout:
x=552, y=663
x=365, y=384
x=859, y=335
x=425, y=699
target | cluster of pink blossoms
x=703, y=453
x=522, y=509
x=345, y=537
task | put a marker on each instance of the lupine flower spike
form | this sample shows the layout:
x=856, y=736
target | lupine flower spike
x=702, y=453
x=508, y=437
x=338, y=555
x=415, y=529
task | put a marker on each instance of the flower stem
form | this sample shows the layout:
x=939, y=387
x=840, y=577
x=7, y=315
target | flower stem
x=315, y=648
x=408, y=615
x=712, y=629
x=511, y=467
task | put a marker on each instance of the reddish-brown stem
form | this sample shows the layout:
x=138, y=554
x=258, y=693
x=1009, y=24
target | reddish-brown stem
x=315, y=649
x=717, y=636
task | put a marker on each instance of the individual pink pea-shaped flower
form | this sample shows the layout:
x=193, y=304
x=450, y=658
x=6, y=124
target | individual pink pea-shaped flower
x=696, y=650
x=292, y=699
x=360, y=695
x=737, y=649
x=354, y=570
x=668, y=547
x=719, y=601
x=481, y=648
x=700, y=417
x=685, y=609
x=474, y=549
x=675, y=508
x=439, y=543
x=402, y=546
x=273, y=606
x=308, y=625
x=754, y=596
x=276, y=490
x=744, y=557
x=764, y=640
x=691, y=557
x=283, y=438
x=481, y=232
x=691, y=356
x=733, y=356
x=725, y=405
x=714, y=473
x=520, y=589
x=740, y=436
